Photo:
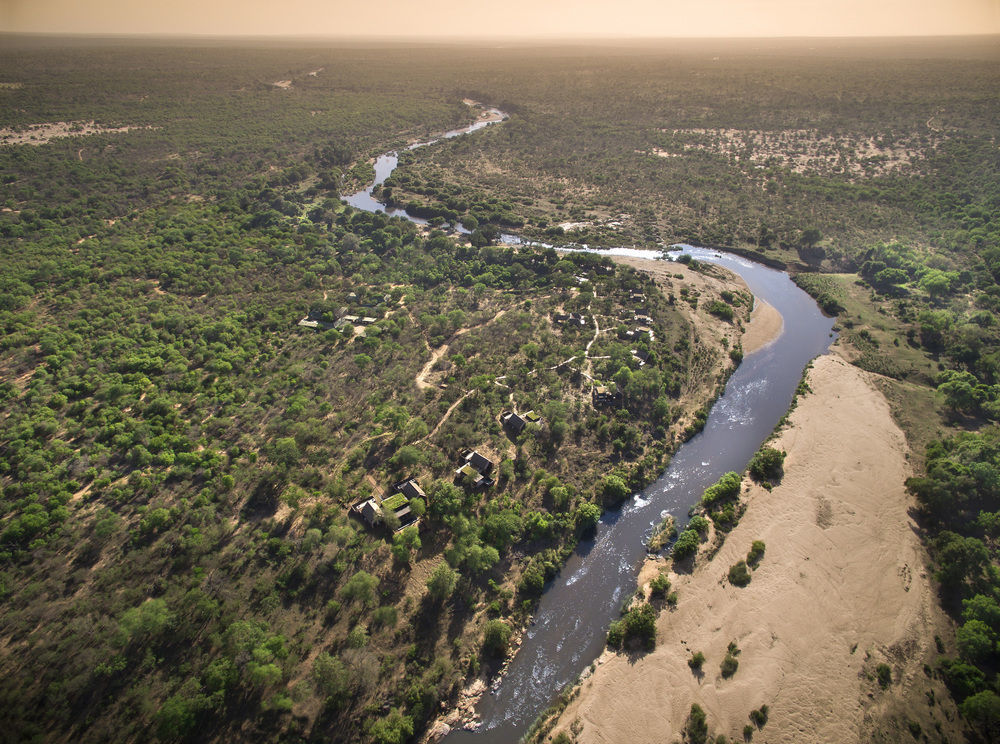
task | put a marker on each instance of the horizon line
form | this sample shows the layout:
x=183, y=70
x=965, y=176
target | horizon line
x=467, y=39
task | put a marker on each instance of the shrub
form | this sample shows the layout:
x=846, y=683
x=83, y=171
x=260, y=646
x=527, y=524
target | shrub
x=729, y=666
x=726, y=488
x=699, y=524
x=697, y=726
x=759, y=716
x=756, y=553
x=884, y=674
x=360, y=587
x=748, y=732
x=659, y=586
x=638, y=624
x=616, y=634
x=496, y=637
x=385, y=616
x=696, y=661
x=613, y=490
x=686, y=545
x=739, y=575
x=720, y=310
x=587, y=516
x=442, y=582
x=332, y=678
x=394, y=728
x=982, y=710
x=766, y=465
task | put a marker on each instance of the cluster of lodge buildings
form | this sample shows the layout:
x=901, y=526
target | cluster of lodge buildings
x=515, y=422
x=474, y=470
x=374, y=510
x=641, y=329
x=473, y=473
x=363, y=315
x=601, y=395
x=571, y=319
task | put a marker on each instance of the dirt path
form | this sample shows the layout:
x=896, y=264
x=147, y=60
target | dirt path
x=447, y=413
x=436, y=354
x=841, y=588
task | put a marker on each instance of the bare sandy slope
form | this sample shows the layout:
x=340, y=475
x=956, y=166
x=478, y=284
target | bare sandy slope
x=841, y=588
x=40, y=134
x=766, y=324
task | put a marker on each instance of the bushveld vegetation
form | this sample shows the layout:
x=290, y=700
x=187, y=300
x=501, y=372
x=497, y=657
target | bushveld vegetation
x=178, y=457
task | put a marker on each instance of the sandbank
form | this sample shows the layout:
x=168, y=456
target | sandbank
x=842, y=587
x=765, y=326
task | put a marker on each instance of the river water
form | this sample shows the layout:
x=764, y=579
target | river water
x=571, y=620
x=386, y=163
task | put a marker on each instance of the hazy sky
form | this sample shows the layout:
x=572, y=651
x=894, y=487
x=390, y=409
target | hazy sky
x=514, y=18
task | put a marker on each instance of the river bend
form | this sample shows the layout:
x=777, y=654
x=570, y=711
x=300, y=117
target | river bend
x=570, y=624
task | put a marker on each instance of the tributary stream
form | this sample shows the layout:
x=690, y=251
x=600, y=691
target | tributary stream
x=570, y=623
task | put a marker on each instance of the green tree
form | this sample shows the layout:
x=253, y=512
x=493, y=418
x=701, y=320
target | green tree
x=960, y=390
x=405, y=542
x=613, y=490
x=395, y=728
x=936, y=283
x=697, y=725
x=766, y=464
x=360, y=588
x=502, y=529
x=285, y=451
x=441, y=582
x=982, y=710
x=976, y=642
x=177, y=717
x=148, y=620
x=739, y=575
x=587, y=515
x=686, y=545
x=496, y=637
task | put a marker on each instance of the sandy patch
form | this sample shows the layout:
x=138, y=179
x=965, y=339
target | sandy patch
x=765, y=326
x=841, y=588
x=39, y=134
x=805, y=150
x=283, y=84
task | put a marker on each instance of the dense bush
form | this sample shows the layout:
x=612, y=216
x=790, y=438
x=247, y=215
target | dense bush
x=766, y=465
x=739, y=575
x=496, y=637
x=697, y=725
x=686, y=545
x=637, y=626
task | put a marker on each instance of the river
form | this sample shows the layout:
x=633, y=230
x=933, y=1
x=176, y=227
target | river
x=570, y=623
